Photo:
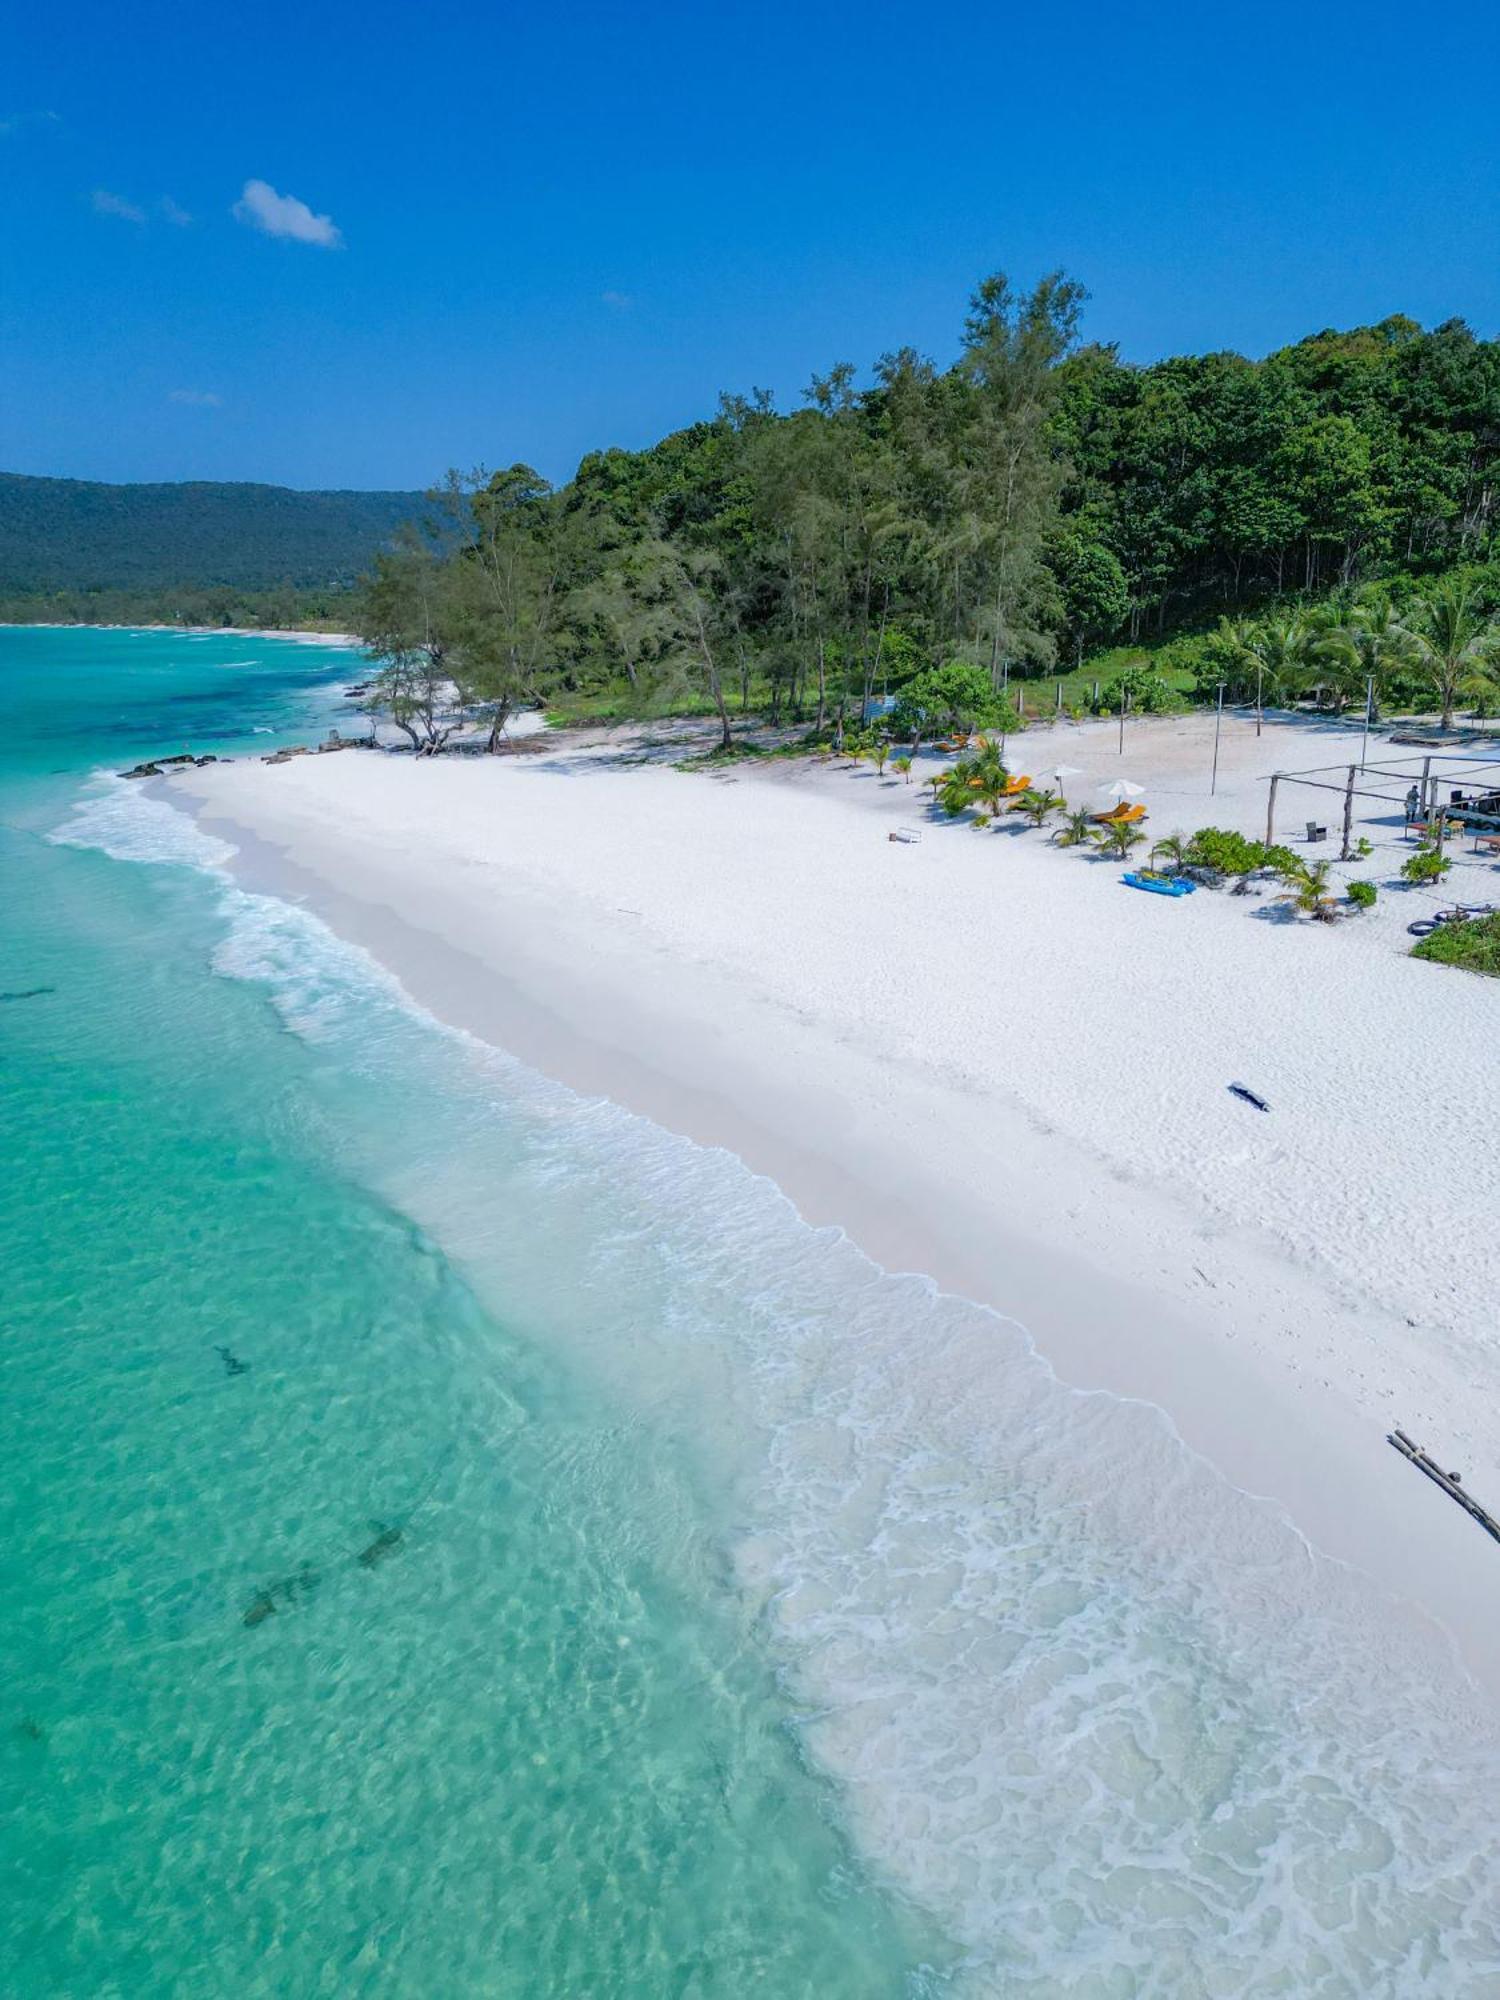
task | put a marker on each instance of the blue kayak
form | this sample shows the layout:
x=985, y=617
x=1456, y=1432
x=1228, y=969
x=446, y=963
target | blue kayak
x=1160, y=885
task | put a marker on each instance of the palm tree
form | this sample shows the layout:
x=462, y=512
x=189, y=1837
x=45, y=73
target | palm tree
x=903, y=765
x=1039, y=806
x=1367, y=644
x=1454, y=643
x=1307, y=889
x=985, y=778
x=1172, y=848
x=1118, y=838
x=1075, y=830
x=1276, y=652
x=880, y=753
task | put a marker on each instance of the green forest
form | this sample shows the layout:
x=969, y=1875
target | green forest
x=203, y=552
x=1039, y=511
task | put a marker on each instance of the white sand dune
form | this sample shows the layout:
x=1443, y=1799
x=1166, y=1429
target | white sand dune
x=989, y=1061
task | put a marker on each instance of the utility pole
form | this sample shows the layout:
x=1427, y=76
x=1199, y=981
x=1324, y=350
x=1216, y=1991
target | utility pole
x=1364, y=741
x=1213, y=785
x=1124, y=699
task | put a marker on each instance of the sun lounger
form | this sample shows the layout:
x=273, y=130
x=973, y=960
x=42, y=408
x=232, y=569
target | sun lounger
x=1120, y=815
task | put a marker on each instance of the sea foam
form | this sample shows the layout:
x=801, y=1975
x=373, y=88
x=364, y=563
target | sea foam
x=117, y=816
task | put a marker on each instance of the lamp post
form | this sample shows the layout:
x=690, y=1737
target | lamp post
x=1364, y=741
x=1124, y=697
x=1213, y=783
x=1260, y=674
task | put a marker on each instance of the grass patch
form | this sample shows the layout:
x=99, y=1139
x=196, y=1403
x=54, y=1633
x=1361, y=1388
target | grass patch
x=1474, y=945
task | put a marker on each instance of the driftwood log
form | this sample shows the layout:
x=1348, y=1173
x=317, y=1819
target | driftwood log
x=1450, y=1482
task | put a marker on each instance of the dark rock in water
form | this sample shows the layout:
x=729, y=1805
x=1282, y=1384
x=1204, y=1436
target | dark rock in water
x=31, y=1729
x=385, y=1544
x=28, y=993
x=201, y=761
x=232, y=1363
x=288, y=1591
x=142, y=771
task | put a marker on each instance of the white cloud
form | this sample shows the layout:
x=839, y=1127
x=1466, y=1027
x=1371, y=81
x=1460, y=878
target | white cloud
x=283, y=215
x=173, y=212
x=106, y=203
x=18, y=121
x=618, y=301
x=201, y=399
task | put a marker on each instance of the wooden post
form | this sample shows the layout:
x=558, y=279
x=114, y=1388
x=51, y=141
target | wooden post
x=1348, y=812
x=1271, y=812
x=1426, y=773
x=1059, y=698
x=1021, y=703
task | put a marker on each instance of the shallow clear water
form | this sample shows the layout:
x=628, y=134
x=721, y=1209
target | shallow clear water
x=532, y=1745
x=758, y=1622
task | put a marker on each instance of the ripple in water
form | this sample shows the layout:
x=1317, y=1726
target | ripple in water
x=1106, y=1718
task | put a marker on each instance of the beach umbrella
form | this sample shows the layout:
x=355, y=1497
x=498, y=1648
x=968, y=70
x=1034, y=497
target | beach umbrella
x=1061, y=771
x=1123, y=789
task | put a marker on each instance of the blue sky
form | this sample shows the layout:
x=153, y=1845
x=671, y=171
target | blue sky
x=526, y=231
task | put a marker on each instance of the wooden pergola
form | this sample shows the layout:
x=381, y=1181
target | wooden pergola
x=1390, y=784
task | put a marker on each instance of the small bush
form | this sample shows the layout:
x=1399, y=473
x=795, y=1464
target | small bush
x=1148, y=694
x=1474, y=945
x=1362, y=895
x=1426, y=866
x=1226, y=852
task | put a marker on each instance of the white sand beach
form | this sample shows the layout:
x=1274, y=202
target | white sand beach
x=989, y=1061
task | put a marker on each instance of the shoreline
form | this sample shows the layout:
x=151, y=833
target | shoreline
x=1119, y=1285
x=298, y=634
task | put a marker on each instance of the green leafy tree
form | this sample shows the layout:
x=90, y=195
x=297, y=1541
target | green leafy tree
x=409, y=617
x=1009, y=475
x=1093, y=593
x=958, y=695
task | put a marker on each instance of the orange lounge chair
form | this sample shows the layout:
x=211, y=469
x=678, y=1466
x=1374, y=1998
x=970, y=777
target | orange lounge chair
x=1120, y=815
x=1015, y=787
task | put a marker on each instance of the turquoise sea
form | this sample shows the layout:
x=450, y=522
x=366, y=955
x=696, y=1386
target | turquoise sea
x=458, y=1539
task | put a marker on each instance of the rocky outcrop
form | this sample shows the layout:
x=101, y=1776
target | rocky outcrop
x=155, y=766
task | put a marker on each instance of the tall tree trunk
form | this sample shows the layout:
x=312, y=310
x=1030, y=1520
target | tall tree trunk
x=497, y=727
x=715, y=685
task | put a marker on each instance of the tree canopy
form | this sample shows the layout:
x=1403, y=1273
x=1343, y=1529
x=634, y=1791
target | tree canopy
x=929, y=528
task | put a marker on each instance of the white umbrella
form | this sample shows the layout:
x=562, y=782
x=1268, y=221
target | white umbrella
x=1061, y=771
x=1123, y=789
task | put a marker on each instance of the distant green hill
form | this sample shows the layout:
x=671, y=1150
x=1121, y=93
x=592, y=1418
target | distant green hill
x=77, y=534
